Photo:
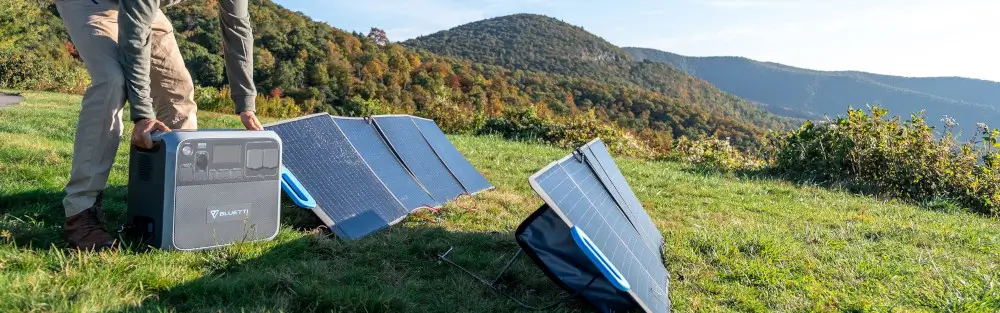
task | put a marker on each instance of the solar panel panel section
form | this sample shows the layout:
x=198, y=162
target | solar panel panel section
x=572, y=189
x=350, y=197
x=418, y=156
x=380, y=157
x=467, y=175
x=599, y=158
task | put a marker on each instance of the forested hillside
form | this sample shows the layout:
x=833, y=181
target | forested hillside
x=325, y=69
x=809, y=93
x=540, y=43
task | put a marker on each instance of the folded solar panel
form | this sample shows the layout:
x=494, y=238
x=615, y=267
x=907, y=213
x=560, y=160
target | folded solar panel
x=383, y=161
x=585, y=240
x=470, y=178
x=364, y=174
x=599, y=158
x=351, y=199
x=418, y=156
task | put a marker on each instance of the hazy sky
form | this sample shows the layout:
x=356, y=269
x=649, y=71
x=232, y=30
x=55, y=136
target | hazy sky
x=898, y=37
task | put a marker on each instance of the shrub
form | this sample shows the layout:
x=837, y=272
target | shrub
x=714, y=154
x=36, y=71
x=577, y=130
x=209, y=99
x=449, y=115
x=871, y=153
x=526, y=124
x=361, y=107
x=518, y=124
x=218, y=100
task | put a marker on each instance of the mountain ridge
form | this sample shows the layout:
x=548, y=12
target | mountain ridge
x=307, y=66
x=533, y=42
x=818, y=92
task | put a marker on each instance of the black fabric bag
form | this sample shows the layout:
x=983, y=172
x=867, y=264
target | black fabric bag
x=547, y=240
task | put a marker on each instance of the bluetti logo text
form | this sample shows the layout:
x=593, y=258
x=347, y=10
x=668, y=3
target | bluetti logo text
x=227, y=214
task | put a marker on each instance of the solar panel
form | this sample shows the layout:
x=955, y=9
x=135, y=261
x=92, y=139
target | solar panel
x=597, y=156
x=572, y=190
x=467, y=175
x=418, y=156
x=376, y=152
x=350, y=197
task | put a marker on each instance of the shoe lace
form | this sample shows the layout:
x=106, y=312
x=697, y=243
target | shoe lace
x=94, y=222
x=98, y=209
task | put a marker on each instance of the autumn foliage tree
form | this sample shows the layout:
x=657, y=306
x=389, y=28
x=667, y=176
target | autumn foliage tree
x=322, y=69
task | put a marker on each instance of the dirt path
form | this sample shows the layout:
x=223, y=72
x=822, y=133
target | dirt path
x=7, y=100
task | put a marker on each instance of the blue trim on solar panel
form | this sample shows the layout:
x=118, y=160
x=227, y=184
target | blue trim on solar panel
x=377, y=153
x=418, y=156
x=350, y=197
x=603, y=164
x=295, y=191
x=577, y=195
x=595, y=255
x=467, y=175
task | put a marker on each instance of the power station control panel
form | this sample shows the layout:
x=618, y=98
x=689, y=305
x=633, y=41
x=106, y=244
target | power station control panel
x=213, y=161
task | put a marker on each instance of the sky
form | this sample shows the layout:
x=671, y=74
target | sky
x=895, y=37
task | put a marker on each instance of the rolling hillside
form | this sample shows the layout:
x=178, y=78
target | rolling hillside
x=531, y=42
x=540, y=43
x=809, y=93
x=326, y=69
x=731, y=244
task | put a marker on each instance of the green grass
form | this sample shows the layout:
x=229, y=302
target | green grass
x=732, y=244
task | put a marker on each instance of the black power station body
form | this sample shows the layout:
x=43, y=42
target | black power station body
x=202, y=189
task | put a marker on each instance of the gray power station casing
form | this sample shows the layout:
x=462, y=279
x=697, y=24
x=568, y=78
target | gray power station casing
x=202, y=189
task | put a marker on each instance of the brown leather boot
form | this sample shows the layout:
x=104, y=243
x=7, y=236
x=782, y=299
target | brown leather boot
x=86, y=231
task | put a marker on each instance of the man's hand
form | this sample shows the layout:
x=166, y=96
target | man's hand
x=142, y=129
x=250, y=121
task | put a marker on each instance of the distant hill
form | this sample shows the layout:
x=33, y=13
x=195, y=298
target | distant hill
x=808, y=93
x=530, y=42
x=348, y=73
x=540, y=43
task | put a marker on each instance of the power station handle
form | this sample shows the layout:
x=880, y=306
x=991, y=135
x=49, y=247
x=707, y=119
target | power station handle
x=156, y=135
x=294, y=189
x=597, y=257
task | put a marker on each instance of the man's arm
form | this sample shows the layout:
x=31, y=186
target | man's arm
x=237, y=42
x=135, y=20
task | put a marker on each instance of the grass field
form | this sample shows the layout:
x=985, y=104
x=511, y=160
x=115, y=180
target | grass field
x=732, y=244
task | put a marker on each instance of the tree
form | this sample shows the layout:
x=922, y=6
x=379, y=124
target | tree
x=378, y=36
x=20, y=23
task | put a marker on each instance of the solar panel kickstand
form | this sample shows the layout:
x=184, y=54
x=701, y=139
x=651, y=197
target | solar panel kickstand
x=493, y=284
x=578, y=155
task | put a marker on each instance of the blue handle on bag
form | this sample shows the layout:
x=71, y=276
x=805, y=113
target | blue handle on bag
x=595, y=255
x=295, y=190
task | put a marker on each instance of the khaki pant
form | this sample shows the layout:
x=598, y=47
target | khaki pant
x=93, y=28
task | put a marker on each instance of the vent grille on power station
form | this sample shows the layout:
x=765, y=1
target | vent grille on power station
x=145, y=167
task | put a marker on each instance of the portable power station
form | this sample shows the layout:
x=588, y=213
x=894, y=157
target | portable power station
x=202, y=189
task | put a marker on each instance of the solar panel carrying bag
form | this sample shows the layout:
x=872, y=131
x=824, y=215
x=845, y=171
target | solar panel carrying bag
x=550, y=243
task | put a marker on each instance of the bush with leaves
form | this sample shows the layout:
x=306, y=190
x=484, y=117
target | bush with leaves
x=715, y=154
x=577, y=130
x=569, y=132
x=273, y=105
x=872, y=153
x=29, y=57
x=519, y=124
x=21, y=71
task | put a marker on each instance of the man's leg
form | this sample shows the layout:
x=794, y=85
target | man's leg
x=93, y=29
x=173, y=88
